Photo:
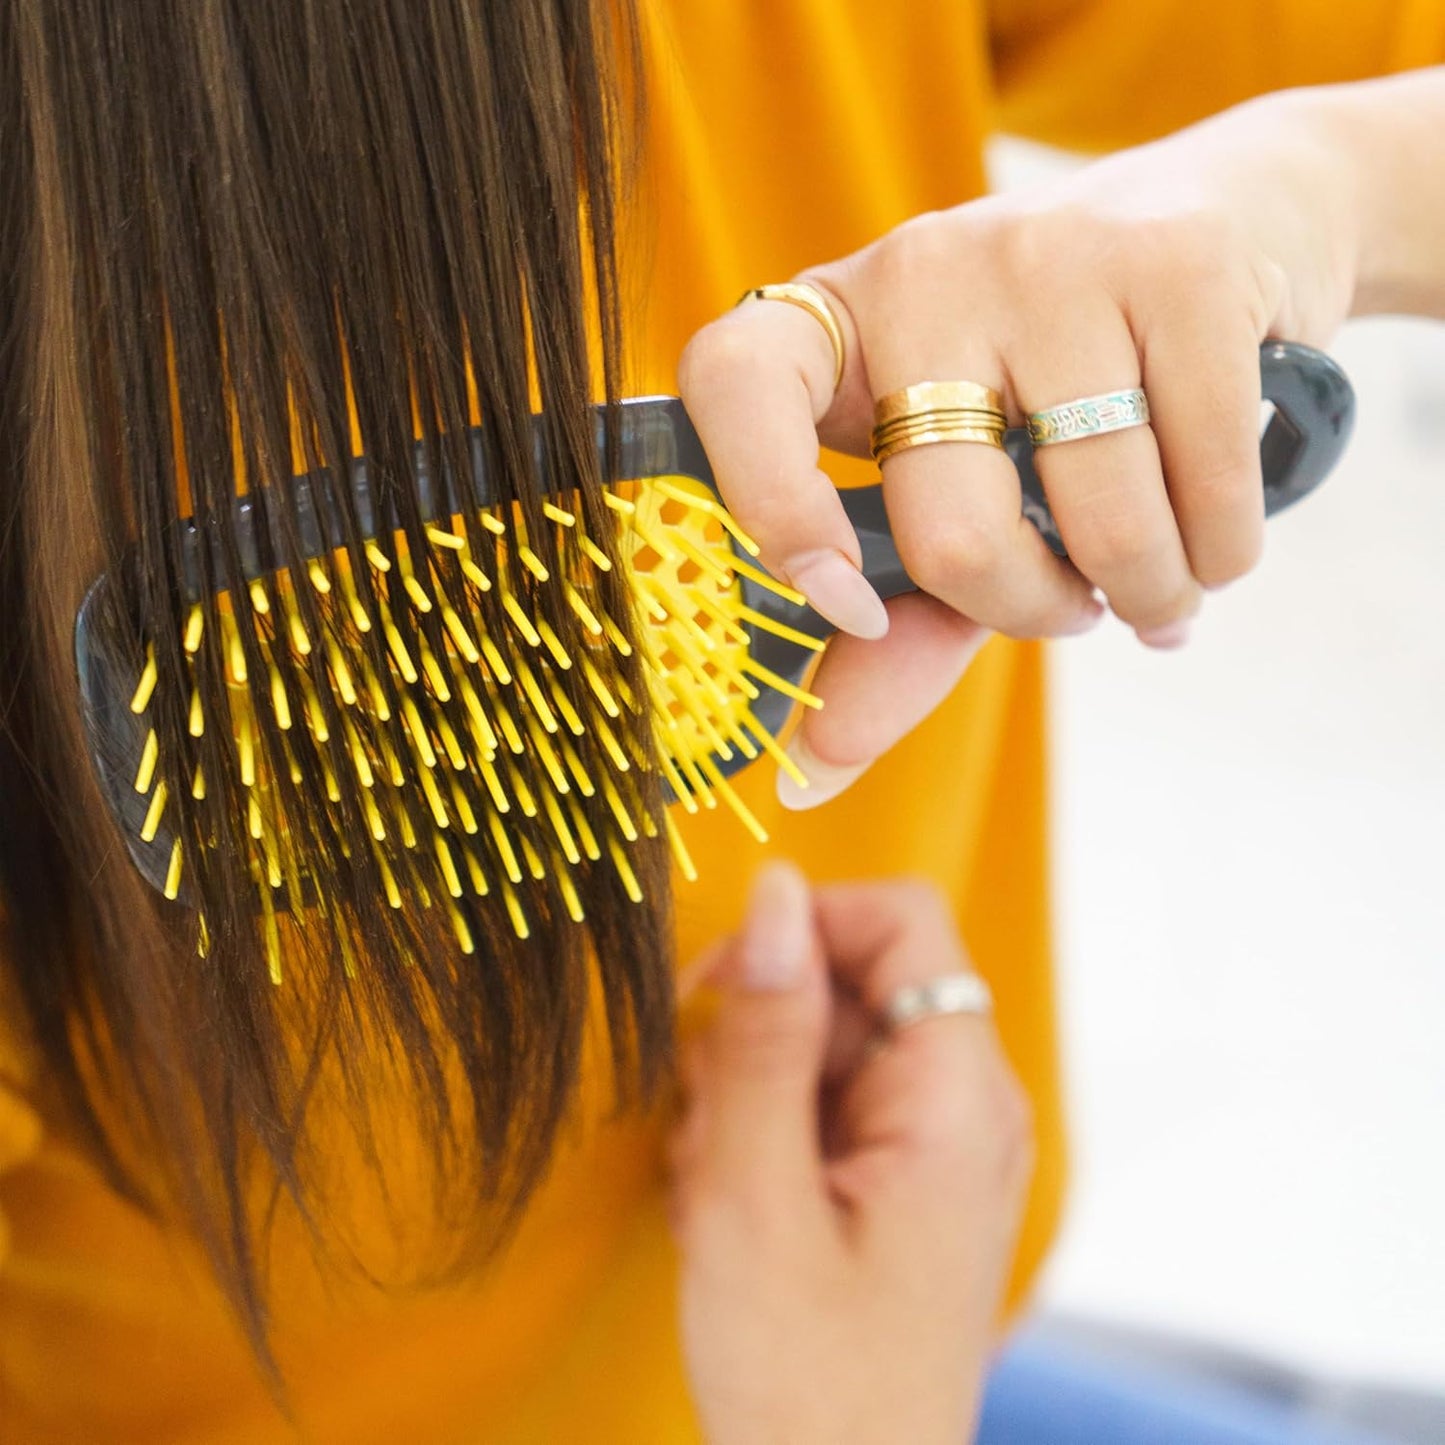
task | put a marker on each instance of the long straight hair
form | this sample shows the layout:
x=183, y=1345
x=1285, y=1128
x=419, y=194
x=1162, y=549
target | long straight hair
x=229, y=224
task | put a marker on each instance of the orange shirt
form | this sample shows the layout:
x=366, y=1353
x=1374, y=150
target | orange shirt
x=783, y=132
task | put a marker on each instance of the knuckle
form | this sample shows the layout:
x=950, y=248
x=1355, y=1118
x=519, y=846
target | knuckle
x=920, y=900
x=926, y=245
x=1116, y=541
x=722, y=349
x=959, y=553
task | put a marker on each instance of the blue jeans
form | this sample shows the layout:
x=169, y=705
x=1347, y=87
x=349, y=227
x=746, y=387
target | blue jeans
x=1041, y=1394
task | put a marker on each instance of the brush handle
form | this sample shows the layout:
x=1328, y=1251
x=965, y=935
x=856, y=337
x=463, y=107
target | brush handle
x=1314, y=413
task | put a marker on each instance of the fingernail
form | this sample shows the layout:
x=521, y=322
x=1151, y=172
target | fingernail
x=778, y=931
x=1170, y=635
x=839, y=591
x=1087, y=620
x=825, y=780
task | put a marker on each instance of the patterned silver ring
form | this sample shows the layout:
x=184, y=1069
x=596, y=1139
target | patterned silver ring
x=1090, y=416
x=949, y=993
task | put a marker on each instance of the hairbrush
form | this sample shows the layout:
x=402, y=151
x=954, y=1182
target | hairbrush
x=473, y=758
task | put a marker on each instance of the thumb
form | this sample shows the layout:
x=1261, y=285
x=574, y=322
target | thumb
x=757, y=1070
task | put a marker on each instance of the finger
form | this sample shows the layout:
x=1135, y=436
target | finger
x=757, y=1070
x=1203, y=384
x=954, y=507
x=1107, y=492
x=876, y=692
x=756, y=382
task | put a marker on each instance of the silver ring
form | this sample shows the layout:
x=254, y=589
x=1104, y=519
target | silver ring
x=949, y=993
x=1090, y=416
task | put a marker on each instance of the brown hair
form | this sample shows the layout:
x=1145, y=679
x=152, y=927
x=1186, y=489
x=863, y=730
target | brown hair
x=227, y=222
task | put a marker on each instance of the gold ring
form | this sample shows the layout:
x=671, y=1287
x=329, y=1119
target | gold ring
x=930, y=412
x=936, y=396
x=799, y=293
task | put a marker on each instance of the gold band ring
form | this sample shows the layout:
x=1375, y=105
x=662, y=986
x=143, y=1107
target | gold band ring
x=930, y=412
x=799, y=293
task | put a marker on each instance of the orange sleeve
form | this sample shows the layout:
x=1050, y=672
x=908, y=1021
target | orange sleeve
x=1094, y=75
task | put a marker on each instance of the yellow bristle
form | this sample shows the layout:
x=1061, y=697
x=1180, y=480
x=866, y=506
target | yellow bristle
x=624, y=870
x=388, y=882
x=359, y=615
x=482, y=728
x=280, y=703
x=559, y=826
x=585, y=834
x=744, y=744
x=236, y=656
x=498, y=668
x=520, y=620
x=313, y=712
x=403, y=821
x=463, y=809
x=173, y=873
x=534, y=695
x=361, y=764
x=616, y=636
x=300, y=638
x=579, y=605
x=585, y=786
x=553, y=644
x=509, y=728
x=553, y=764
x=777, y=754
x=416, y=592
x=613, y=747
x=433, y=670
x=570, y=898
x=619, y=504
x=711, y=564
x=149, y=756
x=374, y=820
x=720, y=615
x=260, y=602
x=463, y=933
x=504, y=847
x=700, y=786
x=420, y=742
x=455, y=756
x=319, y=580
x=460, y=635
x=685, y=865
x=514, y=911
x=195, y=628
x=598, y=557
x=348, y=953
x=394, y=768
x=377, y=558
x=140, y=699
x=532, y=562
x=253, y=817
x=556, y=514
x=686, y=694
x=198, y=785
x=152, y=823
x=434, y=799
x=721, y=785
x=780, y=629
x=449, y=540
x=375, y=692
x=203, y=936
x=333, y=788
x=475, y=575
x=474, y=872
x=680, y=790
x=449, y=867
x=246, y=750
x=764, y=579
x=535, y=865
x=619, y=810
x=493, y=781
x=525, y=801
x=782, y=685
x=341, y=674
x=398, y=649
x=563, y=704
x=492, y=523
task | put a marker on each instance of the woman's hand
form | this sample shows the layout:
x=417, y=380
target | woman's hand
x=846, y=1204
x=1163, y=267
